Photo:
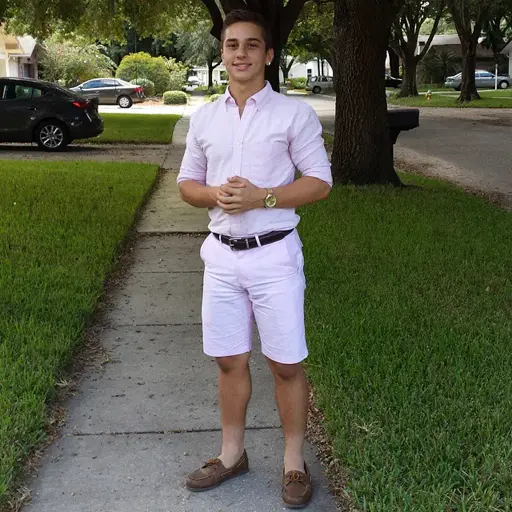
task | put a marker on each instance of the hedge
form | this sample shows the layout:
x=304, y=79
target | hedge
x=175, y=98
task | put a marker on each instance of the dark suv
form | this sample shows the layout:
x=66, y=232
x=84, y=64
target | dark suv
x=45, y=113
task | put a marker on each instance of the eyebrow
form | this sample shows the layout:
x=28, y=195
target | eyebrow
x=251, y=39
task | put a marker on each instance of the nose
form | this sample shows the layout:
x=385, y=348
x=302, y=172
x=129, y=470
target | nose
x=242, y=52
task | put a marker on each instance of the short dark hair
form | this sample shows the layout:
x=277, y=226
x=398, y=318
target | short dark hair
x=239, y=15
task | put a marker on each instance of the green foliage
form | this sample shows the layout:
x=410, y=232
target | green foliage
x=312, y=35
x=214, y=89
x=436, y=66
x=215, y=97
x=298, y=83
x=142, y=65
x=199, y=47
x=73, y=61
x=147, y=85
x=177, y=74
x=175, y=98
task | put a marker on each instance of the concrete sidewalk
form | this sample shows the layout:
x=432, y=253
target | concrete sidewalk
x=150, y=416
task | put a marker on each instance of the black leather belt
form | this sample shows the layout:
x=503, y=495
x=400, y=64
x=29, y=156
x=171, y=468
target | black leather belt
x=240, y=244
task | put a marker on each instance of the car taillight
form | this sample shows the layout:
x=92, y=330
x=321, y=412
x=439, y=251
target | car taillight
x=80, y=104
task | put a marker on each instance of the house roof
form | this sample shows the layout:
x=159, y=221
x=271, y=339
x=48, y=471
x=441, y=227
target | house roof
x=18, y=46
x=443, y=39
x=507, y=50
x=27, y=45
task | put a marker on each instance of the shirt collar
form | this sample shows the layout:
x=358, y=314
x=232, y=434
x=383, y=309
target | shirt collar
x=260, y=98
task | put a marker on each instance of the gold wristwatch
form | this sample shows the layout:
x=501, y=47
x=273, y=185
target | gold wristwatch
x=270, y=199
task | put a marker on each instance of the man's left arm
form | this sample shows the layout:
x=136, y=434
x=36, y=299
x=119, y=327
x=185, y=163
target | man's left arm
x=308, y=153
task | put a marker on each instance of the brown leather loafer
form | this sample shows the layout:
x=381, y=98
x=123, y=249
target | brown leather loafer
x=297, y=488
x=213, y=473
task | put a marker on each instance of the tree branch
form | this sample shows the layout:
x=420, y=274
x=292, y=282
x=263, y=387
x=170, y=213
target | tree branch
x=216, y=17
x=289, y=16
x=432, y=33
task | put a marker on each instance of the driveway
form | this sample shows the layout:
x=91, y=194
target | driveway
x=470, y=147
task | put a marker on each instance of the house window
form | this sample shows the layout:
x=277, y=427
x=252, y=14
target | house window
x=310, y=72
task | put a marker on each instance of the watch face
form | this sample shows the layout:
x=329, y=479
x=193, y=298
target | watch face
x=271, y=201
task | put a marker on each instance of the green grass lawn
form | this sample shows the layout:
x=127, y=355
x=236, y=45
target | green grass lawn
x=409, y=318
x=449, y=100
x=61, y=226
x=137, y=128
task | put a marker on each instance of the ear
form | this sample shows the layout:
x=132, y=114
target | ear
x=270, y=55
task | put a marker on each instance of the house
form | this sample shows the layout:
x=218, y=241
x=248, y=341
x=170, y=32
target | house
x=450, y=44
x=507, y=52
x=298, y=70
x=18, y=55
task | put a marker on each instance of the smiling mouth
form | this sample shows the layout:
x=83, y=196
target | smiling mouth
x=242, y=67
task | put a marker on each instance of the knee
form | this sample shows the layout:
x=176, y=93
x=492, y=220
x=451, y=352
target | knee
x=285, y=372
x=233, y=364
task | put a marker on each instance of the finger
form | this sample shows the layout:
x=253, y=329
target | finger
x=233, y=191
x=235, y=184
x=226, y=199
x=228, y=207
x=238, y=179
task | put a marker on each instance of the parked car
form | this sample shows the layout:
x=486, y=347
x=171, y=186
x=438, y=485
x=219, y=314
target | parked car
x=483, y=79
x=45, y=113
x=111, y=91
x=319, y=84
x=391, y=81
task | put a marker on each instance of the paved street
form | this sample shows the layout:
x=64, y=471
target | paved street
x=470, y=147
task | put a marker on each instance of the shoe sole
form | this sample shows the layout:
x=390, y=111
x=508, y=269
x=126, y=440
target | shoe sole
x=203, y=489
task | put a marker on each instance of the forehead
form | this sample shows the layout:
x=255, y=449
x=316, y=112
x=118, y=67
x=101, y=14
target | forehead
x=243, y=30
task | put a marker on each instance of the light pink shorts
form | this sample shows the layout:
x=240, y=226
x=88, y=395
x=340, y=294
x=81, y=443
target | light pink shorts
x=265, y=284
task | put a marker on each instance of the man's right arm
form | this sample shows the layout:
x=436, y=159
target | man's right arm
x=192, y=176
x=197, y=194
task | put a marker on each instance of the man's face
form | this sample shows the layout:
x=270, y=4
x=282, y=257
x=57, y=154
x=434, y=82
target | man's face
x=243, y=52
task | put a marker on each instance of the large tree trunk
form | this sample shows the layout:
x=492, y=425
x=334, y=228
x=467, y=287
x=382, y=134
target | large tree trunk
x=210, y=75
x=272, y=71
x=409, y=84
x=468, y=91
x=362, y=152
x=394, y=63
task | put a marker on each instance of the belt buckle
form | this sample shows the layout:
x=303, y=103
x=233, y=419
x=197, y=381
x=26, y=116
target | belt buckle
x=231, y=243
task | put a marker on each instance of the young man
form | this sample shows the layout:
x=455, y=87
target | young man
x=240, y=161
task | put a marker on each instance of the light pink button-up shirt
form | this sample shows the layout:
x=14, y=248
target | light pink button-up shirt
x=275, y=135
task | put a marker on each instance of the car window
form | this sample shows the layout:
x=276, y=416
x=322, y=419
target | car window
x=108, y=82
x=19, y=92
x=486, y=75
x=92, y=84
x=23, y=92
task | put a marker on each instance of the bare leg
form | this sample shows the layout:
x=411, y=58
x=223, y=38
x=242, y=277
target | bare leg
x=292, y=396
x=234, y=395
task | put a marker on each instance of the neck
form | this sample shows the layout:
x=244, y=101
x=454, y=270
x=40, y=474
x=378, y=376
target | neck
x=241, y=92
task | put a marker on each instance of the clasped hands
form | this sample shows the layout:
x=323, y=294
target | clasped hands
x=239, y=195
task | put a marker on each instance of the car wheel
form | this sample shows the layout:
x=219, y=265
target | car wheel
x=317, y=90
x=503, y=85
x=124, y=101
x=51, y=136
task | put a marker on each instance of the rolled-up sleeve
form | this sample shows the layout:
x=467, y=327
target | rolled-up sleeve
x=307, y=148
x=193, y=165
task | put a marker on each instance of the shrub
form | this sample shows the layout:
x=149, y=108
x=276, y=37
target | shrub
x=142, y=65
x=70, y=62
x=175, y=98
x=147, y=85
x=177, y=74
x=298, y=83
x=215, y=97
